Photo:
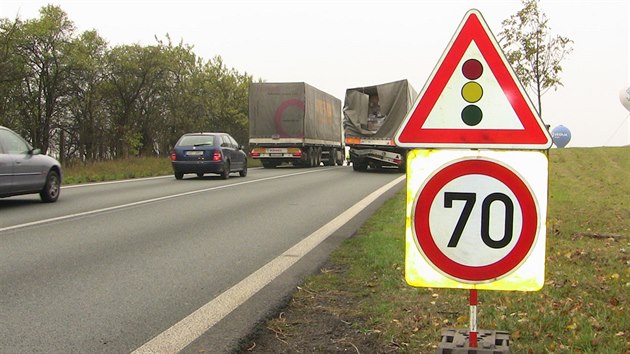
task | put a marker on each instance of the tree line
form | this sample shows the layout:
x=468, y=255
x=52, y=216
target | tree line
x=73, y=96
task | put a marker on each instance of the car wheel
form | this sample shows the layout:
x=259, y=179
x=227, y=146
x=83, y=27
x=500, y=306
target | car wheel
x=52, y=187
x=226, y=171
x=243, y=172
x=179, y=175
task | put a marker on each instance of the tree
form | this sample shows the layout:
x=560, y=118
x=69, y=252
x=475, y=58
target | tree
x=42, y=47
x=86, y=120
x=182, y=98
x=11, y=71
x=135, y=78
x=532, y=51
x=77, y=97
x=228, y=99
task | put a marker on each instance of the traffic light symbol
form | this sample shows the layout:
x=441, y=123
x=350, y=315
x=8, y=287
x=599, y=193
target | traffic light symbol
x=472, y=92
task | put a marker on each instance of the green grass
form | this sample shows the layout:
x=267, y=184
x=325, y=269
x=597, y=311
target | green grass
x=583, y=307
x=101, y=171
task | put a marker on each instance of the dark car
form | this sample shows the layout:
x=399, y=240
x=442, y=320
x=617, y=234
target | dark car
x=24, y=170
x=202, y=153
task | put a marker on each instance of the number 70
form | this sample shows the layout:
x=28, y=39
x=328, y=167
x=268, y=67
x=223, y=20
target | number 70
x=470, y=199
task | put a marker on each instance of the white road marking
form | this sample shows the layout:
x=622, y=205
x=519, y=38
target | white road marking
x=152, y=200
x=194, y=325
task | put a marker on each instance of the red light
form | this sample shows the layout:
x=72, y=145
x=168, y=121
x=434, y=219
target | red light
x=298, y=153
x=472, y=69
x=216, y=156
x=173, y=156
x=254, y=154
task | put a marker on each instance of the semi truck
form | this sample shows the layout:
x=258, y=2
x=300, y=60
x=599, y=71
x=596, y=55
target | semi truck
x=294, y=123
x=371, y=117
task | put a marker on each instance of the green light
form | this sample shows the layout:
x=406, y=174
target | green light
x=471, y=115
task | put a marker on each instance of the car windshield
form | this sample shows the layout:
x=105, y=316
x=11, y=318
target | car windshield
x=196, y=140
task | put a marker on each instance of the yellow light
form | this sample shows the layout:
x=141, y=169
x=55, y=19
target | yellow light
x=472, y=92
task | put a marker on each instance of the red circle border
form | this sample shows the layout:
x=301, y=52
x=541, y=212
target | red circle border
x=460, y=271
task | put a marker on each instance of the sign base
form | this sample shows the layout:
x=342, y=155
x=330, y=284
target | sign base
x=455, y=341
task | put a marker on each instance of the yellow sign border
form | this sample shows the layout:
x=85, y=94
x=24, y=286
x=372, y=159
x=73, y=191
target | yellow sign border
x=531, y=165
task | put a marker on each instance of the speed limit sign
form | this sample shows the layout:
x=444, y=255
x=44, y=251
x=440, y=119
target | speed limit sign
x=476, y=219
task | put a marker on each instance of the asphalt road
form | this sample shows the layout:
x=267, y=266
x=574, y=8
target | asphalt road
x=160, y=265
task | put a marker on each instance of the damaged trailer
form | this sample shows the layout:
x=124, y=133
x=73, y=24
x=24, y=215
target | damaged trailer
x=371, y=117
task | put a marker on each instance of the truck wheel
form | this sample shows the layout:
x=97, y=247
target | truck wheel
x=359, y=166
x=311, y=157
x=268, y=164
x=318, y=157
x=328, y=161
x=332, y=157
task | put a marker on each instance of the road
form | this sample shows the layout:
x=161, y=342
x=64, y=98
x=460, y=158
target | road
x=160, y=265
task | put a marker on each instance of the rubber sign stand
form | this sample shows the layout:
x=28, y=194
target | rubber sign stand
x=473, y=319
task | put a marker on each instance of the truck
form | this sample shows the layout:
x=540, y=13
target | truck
x=371, y=117
x=294, y=123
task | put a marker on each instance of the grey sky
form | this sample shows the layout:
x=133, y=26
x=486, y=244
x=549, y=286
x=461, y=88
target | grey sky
x=335, y=45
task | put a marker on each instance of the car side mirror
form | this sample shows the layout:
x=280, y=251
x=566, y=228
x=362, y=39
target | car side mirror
x=241, y=147
x=35, y=151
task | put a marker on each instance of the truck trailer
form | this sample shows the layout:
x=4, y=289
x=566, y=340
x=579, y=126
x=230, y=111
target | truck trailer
x=371, y=117
x=294, y=123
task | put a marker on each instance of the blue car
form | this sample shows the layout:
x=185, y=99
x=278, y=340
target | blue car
x=24, y=170
x=202, y=153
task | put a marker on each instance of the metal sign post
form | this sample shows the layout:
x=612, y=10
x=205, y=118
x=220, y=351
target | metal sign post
x=472, y=339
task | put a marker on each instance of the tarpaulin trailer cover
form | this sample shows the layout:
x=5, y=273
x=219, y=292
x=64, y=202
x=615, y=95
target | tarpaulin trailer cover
x=377, y=111
x=293, y=111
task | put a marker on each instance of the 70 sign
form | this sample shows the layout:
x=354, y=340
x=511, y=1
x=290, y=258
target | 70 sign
x=474, y=221
x=486, y=209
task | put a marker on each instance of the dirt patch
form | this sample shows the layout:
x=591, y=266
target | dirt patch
x=318, y=322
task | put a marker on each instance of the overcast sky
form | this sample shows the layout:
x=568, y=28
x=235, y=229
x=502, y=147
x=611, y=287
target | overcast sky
x=339, y=44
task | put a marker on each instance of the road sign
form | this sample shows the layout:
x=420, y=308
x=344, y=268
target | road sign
x=476, y=219
x=473, y=99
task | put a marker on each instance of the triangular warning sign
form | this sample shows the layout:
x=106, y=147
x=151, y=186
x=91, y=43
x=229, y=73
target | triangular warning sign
x=473, y=99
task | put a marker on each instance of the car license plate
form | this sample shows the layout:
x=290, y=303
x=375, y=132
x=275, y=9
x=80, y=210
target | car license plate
x=194, y=153
x=276, y=150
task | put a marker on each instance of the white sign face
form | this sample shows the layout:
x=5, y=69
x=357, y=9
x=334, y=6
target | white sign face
x=476, y=219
